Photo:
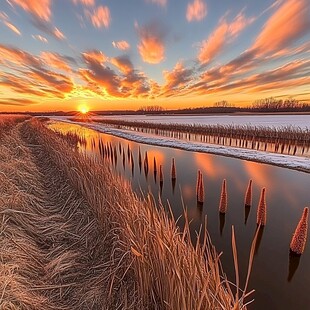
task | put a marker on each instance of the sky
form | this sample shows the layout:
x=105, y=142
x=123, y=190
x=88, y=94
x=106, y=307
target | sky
x=125, y=54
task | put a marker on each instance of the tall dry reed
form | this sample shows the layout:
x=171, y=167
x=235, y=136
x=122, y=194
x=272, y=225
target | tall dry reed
x=165, y=268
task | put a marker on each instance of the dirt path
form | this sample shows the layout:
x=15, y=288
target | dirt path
x=52, y=252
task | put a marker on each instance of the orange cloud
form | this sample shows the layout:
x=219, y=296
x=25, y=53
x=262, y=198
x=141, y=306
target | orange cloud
x=18, y=57
x=55, y=60
x=20, y=85
x=222, y=36
x=85, y=2
x=32, y=75
x=176, y=79
x=12, y=27
x=17, y=101
x=121, y=45
x=100, y=17
x=40, y=9
x=94, y=56
x=289, y=23
x=211, y=47
x=151, y=46
x=123, y=63
x=196, y=10
x=40, y=38
x=58, y=81
x=239, y=23
x=291, y=74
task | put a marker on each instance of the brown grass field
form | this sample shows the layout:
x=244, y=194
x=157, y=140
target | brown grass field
x=74, y=236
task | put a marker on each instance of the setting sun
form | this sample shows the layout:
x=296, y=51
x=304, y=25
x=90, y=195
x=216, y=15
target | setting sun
x=84, y=109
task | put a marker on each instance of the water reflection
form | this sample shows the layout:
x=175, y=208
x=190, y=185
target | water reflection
x=287, y=196
x=269, y=142
x=246, y=213
x=259, y=238
x=222, y=222
x=294, y=261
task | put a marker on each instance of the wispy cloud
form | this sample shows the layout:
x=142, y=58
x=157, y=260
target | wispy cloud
x=151, y=45
x=162, y=3
x=41, y=16
x=33, y=75
x=4, y=18
x=40, y=9
x=39, y=38
x=221, y=36
x=12, y=27
x=49, y=29
x=196, y=10
x=17, y=102
x=85, y=2
x=121, y=45
x=54, y=60
x=100, y=16
x=289, y=23
x=94, y=56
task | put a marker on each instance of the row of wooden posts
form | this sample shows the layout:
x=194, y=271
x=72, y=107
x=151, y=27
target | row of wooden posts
x=299, y=238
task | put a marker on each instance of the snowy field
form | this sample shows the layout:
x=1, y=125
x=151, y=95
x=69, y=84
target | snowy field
x=293, y=162
x=302, y=121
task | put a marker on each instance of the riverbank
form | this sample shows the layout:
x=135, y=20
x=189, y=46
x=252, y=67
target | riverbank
x=75, y=236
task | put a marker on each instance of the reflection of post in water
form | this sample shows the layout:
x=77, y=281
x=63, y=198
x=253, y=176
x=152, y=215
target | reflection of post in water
x=173, y=170
x=161, y=178
x=173, y=181
x=146, y=165
x=123, y=159
x=155, y=165
x=146, y=170
x=246, y=213
x=132, y=169
x=115, y=155
x=293, y=263
x=222, y=222
x=128, y=152
x=259, y=238
x=155, y=170
x=155, y=176
x=140, y=159
x=199, y=207
x=132, y=164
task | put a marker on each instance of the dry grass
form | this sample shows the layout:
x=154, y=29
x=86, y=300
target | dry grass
x=167, y=270
x=73, y=236
x=52, y=252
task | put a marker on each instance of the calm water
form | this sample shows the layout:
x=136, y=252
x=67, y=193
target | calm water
x=280, y=282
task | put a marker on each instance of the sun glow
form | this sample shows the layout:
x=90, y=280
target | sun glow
x=84, y=109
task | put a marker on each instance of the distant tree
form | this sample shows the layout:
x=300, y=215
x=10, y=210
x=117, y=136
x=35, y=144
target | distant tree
x=223, y=104
x=151, y=109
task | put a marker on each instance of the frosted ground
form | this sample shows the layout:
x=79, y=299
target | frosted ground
x=302, y=121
